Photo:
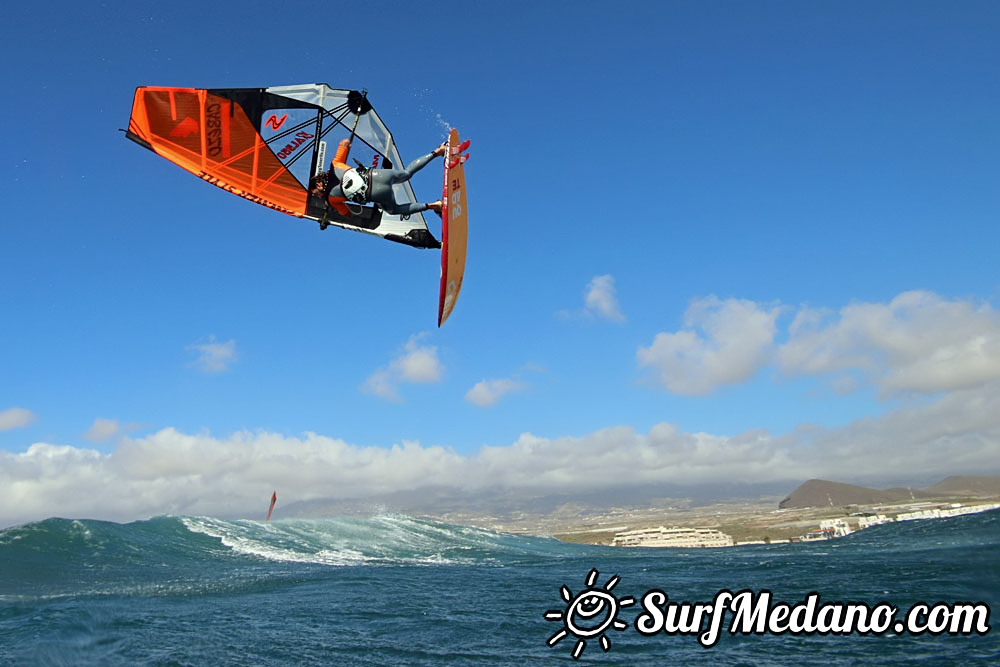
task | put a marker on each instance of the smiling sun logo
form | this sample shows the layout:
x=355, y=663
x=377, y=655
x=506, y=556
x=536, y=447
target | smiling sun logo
x=589, y=614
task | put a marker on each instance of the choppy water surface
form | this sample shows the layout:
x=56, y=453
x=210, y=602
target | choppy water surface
x=397, y=590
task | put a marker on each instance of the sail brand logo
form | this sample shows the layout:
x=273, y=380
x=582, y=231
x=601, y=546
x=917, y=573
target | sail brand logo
x=595, y=610
x=455, y=202
x=293, y=145
x=246, y=195
x=274, y=122
x=213, y=129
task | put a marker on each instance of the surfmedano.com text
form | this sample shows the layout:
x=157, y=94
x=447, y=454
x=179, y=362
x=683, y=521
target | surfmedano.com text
x=755, y=614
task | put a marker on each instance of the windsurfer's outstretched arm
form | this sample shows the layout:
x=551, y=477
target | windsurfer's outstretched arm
x=420, y=163
x=383, y=180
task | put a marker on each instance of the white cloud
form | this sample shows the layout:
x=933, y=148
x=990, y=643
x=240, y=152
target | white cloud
x=600, y=302
x=381, y=383
x=601, y=299
x=724, y=342
x=214, y=357
x=489, y=392
x=918, y=342
x=103, y=430
x=174, y=472
x=15, y=418
x=417, y=364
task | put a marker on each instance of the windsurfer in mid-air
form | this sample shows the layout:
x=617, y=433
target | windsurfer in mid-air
x=343, y=183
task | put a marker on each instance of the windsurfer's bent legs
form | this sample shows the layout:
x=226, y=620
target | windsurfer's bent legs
x=405, y=209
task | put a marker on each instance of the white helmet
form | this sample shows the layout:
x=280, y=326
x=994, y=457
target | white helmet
x=354, y=185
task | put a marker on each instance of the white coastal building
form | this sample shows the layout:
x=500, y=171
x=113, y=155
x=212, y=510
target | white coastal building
x=943, y=512
x=828, y=529
x=672, y=537
x=872, y=520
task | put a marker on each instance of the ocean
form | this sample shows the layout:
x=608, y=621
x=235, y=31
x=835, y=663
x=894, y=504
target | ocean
x=395, y=590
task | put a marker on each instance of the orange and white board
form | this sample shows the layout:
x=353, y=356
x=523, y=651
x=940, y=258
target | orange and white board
x=454, y=228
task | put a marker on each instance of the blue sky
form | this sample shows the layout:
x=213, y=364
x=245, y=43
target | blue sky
x=708, y=240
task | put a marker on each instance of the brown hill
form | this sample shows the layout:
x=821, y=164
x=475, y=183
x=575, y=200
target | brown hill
x=821, y=493
x=968, y=486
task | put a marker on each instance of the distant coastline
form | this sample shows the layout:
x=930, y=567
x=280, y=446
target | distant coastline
x=746, y=514
x=828, y=528
x=816, y=510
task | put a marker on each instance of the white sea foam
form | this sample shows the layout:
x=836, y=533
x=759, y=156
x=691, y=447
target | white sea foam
x=386, y=539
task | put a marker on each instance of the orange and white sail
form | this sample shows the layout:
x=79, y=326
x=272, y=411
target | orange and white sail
x=265, y=144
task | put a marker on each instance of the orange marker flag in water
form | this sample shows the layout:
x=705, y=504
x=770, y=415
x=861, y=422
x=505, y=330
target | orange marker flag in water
x=274, y=499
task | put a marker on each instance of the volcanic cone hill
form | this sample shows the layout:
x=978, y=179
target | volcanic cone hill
x=821, y=493
x=967, y=486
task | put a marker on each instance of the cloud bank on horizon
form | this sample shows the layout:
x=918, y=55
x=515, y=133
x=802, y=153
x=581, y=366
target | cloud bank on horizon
x=942, y=355
x=170, y=472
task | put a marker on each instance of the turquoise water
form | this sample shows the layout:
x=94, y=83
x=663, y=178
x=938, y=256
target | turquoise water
x=395, y=590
